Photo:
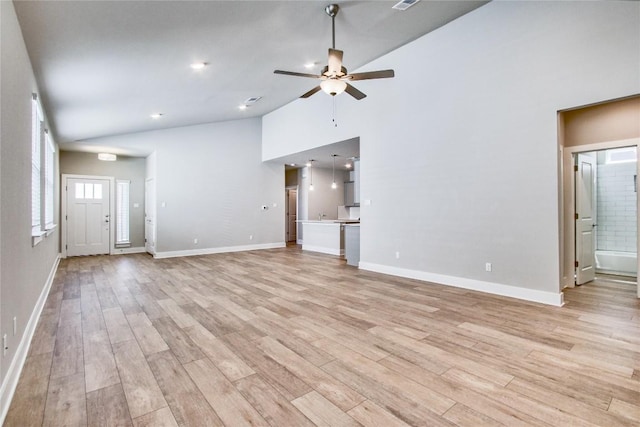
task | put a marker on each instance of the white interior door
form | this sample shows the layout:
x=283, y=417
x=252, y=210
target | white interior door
x=88, y=222
x=585, y=223
x=150, y=216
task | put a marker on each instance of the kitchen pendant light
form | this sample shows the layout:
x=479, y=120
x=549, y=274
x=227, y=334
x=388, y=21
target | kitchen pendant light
x=333, y=184
x=311, y=175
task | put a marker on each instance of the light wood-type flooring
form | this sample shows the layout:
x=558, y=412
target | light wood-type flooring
x=286, y=338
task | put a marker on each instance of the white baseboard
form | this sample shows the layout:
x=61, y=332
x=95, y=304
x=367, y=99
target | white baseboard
x=550, y=298
x=13, y=373
x=322, y=249
x=123, y=251
x=209, y=251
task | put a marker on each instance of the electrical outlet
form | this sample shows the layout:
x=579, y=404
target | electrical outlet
x=397, y=254
x=488, y=266
x=15, y=325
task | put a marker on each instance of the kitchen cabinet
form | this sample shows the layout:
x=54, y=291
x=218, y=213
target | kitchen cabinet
x=349, y=194
x=352, y=244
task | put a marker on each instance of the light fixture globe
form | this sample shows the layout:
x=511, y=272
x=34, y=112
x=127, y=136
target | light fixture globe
x=333, y=87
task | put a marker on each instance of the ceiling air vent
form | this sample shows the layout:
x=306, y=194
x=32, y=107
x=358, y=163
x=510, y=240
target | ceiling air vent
x=404, y=4
x=252, y=100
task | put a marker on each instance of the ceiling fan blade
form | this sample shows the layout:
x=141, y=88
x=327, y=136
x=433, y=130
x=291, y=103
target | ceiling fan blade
x=354, y=92
x=335, y=62
x=292, y=73
x=311, y=92
x=382, y=74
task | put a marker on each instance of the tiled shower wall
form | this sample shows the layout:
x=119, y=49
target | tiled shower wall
x=617, y=208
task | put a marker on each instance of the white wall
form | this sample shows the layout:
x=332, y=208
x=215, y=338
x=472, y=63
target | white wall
x=210, y=185
x=459, y=151
x=24, y=270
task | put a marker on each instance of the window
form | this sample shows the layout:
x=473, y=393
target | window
x=36, y=162
x=122, y=212
x=42, y=175
x=621, y=155
x=88, y=191
x=49, y=181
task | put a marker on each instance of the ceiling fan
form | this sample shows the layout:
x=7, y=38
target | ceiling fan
x=334, y=77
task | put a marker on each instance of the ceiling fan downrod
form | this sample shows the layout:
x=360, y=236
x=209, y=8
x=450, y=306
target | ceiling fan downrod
x=332, y=11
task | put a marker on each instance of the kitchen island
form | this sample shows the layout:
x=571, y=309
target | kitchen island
x=325, y=236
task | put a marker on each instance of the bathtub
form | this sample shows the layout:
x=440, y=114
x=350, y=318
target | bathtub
x=613, y=262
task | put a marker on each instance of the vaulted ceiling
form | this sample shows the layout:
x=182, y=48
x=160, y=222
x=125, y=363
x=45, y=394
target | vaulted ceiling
x=103, y=67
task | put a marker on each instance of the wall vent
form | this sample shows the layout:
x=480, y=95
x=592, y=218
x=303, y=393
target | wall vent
x=404, y=4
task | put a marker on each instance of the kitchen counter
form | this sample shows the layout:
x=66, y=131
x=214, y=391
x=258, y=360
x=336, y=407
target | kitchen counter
x=325, y=236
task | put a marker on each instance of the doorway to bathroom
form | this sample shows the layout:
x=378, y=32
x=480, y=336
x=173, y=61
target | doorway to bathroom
x=598, y=146
x=606, y=214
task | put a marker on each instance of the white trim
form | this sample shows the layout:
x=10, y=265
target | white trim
x=225, y=249
x=15, y=369
x=322, y=249
x=63, y=210
x=550, y=298
x=124, y=251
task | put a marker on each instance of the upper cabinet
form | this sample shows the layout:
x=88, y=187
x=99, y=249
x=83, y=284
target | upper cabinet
x=352, y=187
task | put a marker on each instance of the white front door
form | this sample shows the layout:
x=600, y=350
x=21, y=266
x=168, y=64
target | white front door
x=150, y=216
x=585, y=211
x=88, y=222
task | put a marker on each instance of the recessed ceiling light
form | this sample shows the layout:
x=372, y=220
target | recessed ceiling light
x=310, y=64
x=156, y=116
x=242, y=107
x=198, y=65
x=292, y=164
x=348, y=166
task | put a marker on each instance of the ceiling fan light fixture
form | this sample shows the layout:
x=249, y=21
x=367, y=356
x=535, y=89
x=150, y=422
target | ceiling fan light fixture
x=333, y=87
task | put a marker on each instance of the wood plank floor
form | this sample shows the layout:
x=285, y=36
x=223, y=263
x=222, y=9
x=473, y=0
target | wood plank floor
x=286, y=338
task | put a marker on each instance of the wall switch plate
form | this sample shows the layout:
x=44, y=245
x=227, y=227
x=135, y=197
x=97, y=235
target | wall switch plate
x=397, y=254
x=195, y=241
x=487, y=266
x=250, y=236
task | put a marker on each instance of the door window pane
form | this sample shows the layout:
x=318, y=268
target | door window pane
x=97, y=191
x=88, y=191
x=79, y=190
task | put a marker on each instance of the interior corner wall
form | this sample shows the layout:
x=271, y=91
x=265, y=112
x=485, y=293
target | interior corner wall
x=25, y=271
x=126, y=168
x=211, y=185
x=459, y=152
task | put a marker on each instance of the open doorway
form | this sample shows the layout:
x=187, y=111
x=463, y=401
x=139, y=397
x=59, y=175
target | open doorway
x=606, y=214
x=291, y=215
x=599, y=238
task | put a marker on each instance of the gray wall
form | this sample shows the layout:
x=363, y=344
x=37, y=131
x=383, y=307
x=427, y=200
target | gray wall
x=460, y=150
x=129, y=168
x=323, y=199
x=24, y=269
x=210, y=185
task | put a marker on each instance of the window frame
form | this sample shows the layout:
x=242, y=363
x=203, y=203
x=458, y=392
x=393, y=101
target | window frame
x=123, y=213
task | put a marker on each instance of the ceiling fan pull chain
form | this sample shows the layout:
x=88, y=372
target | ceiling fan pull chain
x=335, y=123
